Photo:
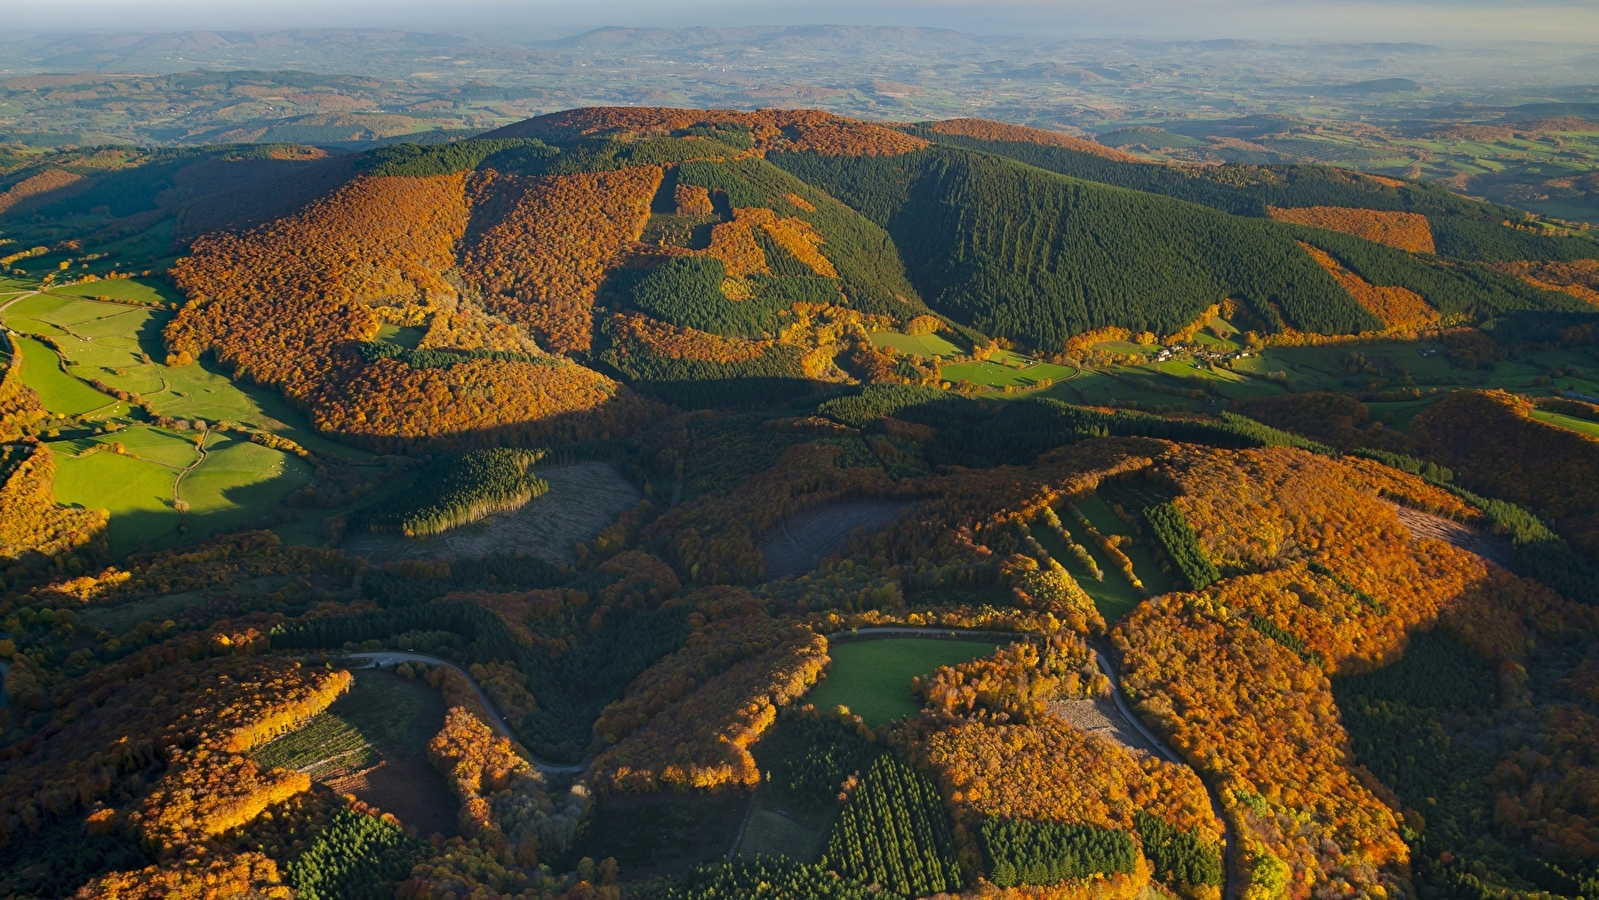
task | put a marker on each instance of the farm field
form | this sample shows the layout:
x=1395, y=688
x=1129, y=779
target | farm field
x=1581, y=426
x=120, y=345
x=928, y=345
x=58, y=391
x=873, y=678
x=144, y=290
x=226, y=492
x=1006, y=369
x=372, y=742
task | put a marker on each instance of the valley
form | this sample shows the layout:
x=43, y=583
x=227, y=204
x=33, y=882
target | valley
x=774, y=501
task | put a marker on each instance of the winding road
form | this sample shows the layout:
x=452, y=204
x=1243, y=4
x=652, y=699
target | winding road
x=381, y=658
x=1101, y=656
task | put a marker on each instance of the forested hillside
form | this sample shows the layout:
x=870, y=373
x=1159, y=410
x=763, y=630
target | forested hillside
x=1461, y=228
x=699, y=505
x=1033, y=256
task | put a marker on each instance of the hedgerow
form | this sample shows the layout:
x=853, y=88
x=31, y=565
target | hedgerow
x=1182, y=545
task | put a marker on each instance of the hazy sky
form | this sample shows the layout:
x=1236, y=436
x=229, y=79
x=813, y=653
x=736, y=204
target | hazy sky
x=1440, y=21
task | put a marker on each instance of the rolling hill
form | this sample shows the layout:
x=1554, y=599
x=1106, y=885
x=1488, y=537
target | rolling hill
x=559, y=276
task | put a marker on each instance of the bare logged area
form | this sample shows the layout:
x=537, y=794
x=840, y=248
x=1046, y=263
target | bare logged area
x=800, y=544
x=1492, y=547
x=581, y=501
x=409, y=788
x=1100, y=716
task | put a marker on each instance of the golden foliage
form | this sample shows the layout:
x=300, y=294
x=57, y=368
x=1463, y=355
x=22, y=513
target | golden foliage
x=286, y=302
x=51, y=184
x=1491, y=441
x=986, y=130
x=702, y=742
x=36, y=532
x=1397, y=307
x=1404, y=230
x=792, y=234
x=155, y=711
x=682, y=342
x=1015, y=682
x=467, y=328
x=551, y=241
x=388, y=405
x=1088, y=339
x=692, y=200
x=240, y=876
x=1235, y=677
x=1048, y=771
x=278, y=299
x=734, y=244
x=20, y=408
x=772, y=129
x=1578, y=277
x=709, y=651
x=208, y=794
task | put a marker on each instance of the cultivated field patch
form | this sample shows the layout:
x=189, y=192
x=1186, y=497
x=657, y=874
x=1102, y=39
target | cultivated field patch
x=873, y=678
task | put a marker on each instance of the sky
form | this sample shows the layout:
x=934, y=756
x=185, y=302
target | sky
x=1433, y=21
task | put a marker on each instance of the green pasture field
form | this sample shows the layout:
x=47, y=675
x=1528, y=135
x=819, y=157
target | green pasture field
x=110, y=342
x=995, y=374
x=408, y=338
x=1097, y=388
x=928, y=345
x=144, y=290
x=383, y=716
x=227, y=492
x=13, y=285
x=873, y=678
x=1581, y=426
x=237, y=482
x=58, y=391
x=138, y=495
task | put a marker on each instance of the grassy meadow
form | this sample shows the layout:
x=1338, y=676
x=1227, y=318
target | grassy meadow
x=873, y=678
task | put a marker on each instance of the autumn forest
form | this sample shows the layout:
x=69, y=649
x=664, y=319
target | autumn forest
x=642, y=502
